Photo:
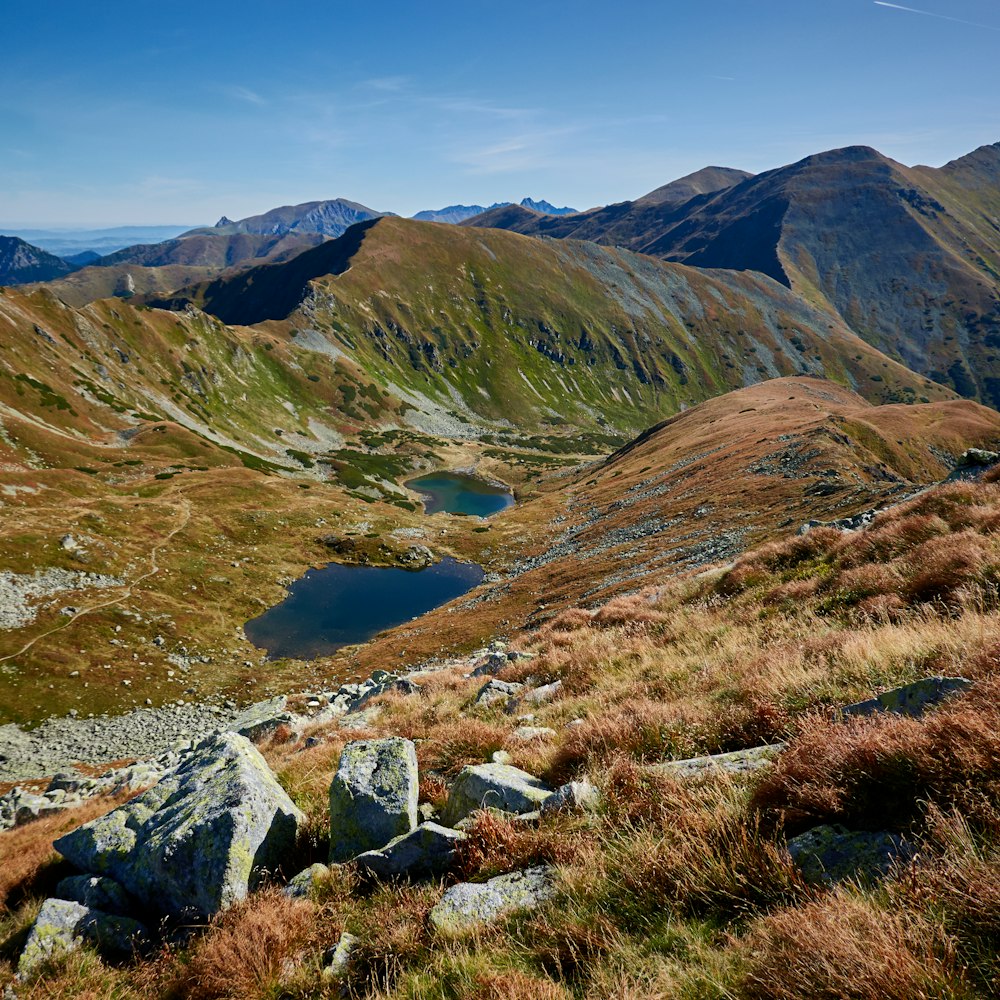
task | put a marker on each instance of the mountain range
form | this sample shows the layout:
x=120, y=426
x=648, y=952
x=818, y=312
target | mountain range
x=908, y=257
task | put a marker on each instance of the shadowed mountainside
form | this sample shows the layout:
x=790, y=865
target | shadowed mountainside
x=597, y=337
x=22, y=263
x=908, y=256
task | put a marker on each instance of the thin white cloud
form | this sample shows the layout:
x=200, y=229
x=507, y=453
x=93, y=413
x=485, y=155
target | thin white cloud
x=931, y=13
x=245, y=94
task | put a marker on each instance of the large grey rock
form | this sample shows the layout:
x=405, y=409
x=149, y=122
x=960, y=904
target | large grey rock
x=373, y=796
x=829, y=854
x=495, y=692
x=199, y=840
x=499, y=786
x=95, y=892
x=63, y=925
x=737, y=762
x=911, y=699
x=262, y=719
x=469, y=905
x=427, y=850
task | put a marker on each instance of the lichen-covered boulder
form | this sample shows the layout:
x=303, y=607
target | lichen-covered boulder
x=340, y=958
x=373, y=796
x=828, y=854
x=64, y=925
x=199, y=840
x=911, y=699
x=499, y=786
x=427, y=850
x=95, y=892
x=469, y=905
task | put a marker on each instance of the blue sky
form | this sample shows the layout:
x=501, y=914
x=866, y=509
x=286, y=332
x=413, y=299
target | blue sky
x=115, y=113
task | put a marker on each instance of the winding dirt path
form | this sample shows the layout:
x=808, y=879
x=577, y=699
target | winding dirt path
x=185, y=507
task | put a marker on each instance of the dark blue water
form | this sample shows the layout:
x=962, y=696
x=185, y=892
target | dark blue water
x=340, y=605
x=458, y=494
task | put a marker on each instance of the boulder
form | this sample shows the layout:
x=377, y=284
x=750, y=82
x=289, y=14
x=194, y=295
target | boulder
x=470, y=905
x=495, y=692
x=373, y=796
x=500, y=786
x=490, y=664
x=96, y=893
x=262, y=719
x=574, y=796
x=427, y=850
x=828, y=854
x=198, y=841
x=911, y=699
x=63, y=925
x=737, y=762
x=542, y=694
x=303, y=885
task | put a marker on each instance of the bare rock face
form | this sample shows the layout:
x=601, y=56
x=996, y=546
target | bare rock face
x=199, y=840
x=373, y=796
x=911, y=699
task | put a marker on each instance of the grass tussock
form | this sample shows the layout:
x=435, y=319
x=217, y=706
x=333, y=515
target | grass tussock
x=877, y=773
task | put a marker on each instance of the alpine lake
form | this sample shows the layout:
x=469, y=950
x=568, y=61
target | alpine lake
x=341, y=605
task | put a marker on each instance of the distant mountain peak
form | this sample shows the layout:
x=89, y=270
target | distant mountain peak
x=708, y=180
x=22, y=263
x=330, y=217
x=224, y=221
x=545, y=207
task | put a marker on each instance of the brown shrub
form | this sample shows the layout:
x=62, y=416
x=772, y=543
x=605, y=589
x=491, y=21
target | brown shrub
x=244, y=953
x=842, y=948
x=453, y=745
x=874, y=772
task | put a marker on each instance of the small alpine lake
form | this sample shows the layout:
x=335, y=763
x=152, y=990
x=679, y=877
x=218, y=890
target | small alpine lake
x=458, y=493
x=340, y=605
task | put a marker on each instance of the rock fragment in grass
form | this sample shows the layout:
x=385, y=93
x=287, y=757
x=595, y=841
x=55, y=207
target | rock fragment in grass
x=828, y=854
x=574, y=796
x=737, y=762
x=499, y=786
x=470, y=905
x=495, y=692
x=911, y=699
x=427, y=850
x=304, y=884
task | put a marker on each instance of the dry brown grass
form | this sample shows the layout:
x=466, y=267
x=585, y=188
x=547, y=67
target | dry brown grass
x=874, y=773
x=248, y=950
x=842, y=947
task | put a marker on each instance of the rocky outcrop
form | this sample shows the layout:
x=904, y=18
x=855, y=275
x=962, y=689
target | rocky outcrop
x=499, y=786
x=96, y=893
x=496, y=693
x=373, y=796
x=470, y=905
x=427, y=850
x=199, y=840
x=737, y=762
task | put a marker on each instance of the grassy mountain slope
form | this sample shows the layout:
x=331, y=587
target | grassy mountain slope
x=594, y=338
x=708, y=180
x=909, y=257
